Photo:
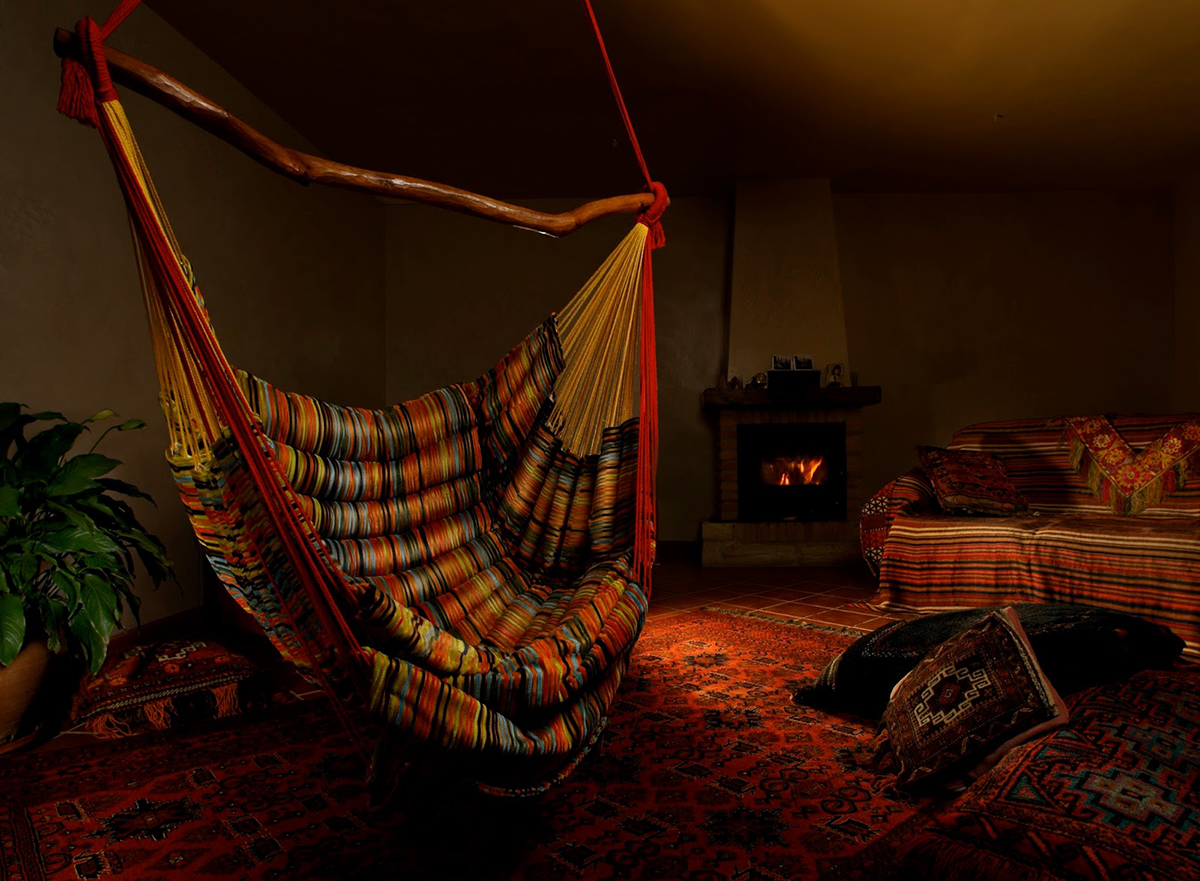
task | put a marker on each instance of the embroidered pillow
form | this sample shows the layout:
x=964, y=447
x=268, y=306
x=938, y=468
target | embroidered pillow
x=971, y=482
x=163, y=684
x=1130, y=482
x=969, y=701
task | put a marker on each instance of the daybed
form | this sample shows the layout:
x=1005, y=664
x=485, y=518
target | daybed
x=1122, y=534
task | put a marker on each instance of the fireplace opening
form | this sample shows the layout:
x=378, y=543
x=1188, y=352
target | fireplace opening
x=791, y=471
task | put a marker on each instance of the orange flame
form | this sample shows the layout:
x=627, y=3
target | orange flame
x=794, y=471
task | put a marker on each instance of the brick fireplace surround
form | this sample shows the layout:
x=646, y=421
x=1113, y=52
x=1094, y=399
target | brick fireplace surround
x=730, y=541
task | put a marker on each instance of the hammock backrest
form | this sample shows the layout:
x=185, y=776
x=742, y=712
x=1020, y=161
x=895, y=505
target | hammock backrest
x=472, y=565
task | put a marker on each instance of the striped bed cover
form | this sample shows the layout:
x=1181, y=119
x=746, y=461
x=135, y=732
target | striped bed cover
x=1069, y=548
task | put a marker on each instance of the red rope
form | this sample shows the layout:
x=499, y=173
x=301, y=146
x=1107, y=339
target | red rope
x=646, y=515
x=616, y=90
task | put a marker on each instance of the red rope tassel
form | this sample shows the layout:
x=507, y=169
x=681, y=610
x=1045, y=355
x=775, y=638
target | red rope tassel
x=77, y=98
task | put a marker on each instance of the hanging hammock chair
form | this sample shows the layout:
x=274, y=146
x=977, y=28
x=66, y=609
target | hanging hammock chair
x=471, y=568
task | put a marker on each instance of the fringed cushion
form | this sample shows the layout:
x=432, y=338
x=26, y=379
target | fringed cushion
x=1127, y=481
x=163, y=684
x=968, y=702
x=970, y=482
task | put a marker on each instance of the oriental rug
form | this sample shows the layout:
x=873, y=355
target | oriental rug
x=705, y=771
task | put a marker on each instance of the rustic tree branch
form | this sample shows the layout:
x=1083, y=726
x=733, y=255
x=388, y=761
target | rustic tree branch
x=306, y=168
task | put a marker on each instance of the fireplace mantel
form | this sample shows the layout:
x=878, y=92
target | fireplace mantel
x=837, y=398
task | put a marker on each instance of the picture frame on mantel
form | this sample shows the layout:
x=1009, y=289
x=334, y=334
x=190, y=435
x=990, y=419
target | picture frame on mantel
x=835, y=375
x=781, y=362
x=802, y=362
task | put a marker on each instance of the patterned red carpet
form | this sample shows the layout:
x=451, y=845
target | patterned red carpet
x=707, y=771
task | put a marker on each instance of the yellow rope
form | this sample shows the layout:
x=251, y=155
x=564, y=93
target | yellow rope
x=191, y=420
x=599, y=332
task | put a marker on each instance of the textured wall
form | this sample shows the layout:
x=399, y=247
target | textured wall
x=787, y=296
x=972, y=307
x=293, y=277
x=1186, y=375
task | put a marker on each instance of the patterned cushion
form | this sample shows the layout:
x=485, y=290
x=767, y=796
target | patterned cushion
x=159, y=685
x=969, y=701
x=1129, y=482
x=1115, y=794
x=1077, y=647
x=971, y=482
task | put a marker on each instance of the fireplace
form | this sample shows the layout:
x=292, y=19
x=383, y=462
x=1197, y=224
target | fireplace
x=789, y=476
x=791, y=471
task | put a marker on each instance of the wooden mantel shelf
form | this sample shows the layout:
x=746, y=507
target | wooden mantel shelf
x=837, y=398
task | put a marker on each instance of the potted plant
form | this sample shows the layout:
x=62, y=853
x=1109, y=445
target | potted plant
x=67, y=543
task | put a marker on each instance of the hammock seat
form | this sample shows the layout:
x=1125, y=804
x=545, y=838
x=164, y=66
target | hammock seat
x=469, y=569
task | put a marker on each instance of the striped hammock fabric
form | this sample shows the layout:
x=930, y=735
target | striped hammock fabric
x=469, y=568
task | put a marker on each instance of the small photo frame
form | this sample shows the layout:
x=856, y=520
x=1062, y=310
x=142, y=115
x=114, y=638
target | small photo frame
x=835, y=375
x=781, y=362
x=802, y=362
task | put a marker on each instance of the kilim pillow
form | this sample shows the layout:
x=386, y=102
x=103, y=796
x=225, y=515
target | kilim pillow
x=970, y=482
x=159, y=685
x=1077, y=646
x=969, y=701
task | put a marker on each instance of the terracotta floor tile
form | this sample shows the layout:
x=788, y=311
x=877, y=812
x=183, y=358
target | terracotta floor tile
x=843, y=617
x=826, y=600
x=790, y=592
x=798, y=610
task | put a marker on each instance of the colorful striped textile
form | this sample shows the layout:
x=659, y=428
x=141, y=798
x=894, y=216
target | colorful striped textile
x=447, y=564
x=1068, y=548
x=496, y=602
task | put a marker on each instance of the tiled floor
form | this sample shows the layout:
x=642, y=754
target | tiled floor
x=818, y=595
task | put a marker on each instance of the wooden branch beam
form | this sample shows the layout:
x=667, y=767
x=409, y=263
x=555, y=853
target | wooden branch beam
x=306, y=168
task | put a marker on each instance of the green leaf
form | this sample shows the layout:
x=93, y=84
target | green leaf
x=131, y=425
x=100, y=414
x=94, y=621
x=127, y=489
x=40, y=456
x=12, y=627
x=9, y=501
x=72, y=540
x=49, y=414
x=76, y=474
x=68, y=586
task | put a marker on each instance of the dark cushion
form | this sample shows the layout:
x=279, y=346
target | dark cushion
x=969, y=701
x=1077, y=646
x=970, y=482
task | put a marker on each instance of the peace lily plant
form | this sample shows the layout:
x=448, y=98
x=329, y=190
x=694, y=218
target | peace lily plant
x=67, y=541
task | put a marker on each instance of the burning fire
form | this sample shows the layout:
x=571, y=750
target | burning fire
x=794, y=471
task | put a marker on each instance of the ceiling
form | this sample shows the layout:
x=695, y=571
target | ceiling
x=510, y=98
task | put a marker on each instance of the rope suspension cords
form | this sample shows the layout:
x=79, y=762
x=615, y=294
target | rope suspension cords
x=470, y=569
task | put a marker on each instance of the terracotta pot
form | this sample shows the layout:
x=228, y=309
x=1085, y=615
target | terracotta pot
x=19, y=684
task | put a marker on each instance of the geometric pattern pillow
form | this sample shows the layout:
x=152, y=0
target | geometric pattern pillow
x=969, y=701
x=970, y=482
x=1077, y=647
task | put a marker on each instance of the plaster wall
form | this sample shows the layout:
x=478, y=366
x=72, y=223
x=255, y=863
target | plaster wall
x=1186, y=374
x=974, y=307
x=786, y=292
x=293, y=277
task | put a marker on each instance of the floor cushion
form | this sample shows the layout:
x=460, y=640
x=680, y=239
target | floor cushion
x=1077, y=647
x=968, y=702
x=1114, y=794
x=160, y=684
